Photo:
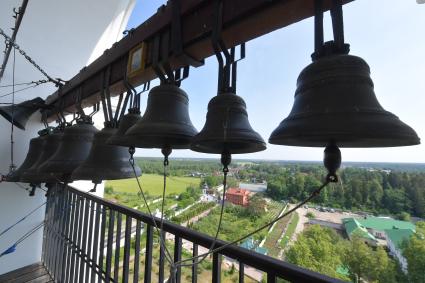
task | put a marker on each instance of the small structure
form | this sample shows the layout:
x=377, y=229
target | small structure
x=395, y=239
x=237, y=196
x=354, y=228
x=249, y=244
x=378, y=225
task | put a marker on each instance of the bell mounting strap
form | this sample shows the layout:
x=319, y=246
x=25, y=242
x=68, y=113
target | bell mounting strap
x=111, y=118
x=162, y=67
x=226, y=70
x=337, y=46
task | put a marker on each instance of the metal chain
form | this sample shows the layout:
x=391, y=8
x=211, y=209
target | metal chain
x=9, y=40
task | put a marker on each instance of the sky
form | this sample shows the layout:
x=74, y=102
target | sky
x=389, y=35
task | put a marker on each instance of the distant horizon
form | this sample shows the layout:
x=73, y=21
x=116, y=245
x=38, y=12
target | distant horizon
x=279, y=160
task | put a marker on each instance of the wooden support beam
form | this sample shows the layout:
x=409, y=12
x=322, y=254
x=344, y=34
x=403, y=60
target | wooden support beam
x=243, y=20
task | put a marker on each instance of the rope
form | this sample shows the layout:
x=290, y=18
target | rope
x=12, y=127
x=22, y=89
x=168, y=256
x=13, y=247
x=22, y=219
x=225, y=171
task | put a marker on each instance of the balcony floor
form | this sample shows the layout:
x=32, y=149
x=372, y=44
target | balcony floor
x=34, y=273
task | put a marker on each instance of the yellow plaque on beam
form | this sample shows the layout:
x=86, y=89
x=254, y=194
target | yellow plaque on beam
x=136, y=60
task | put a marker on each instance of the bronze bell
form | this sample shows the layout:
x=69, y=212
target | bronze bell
x=227, y=128
x=128, y=120
x=20, y=113
x=50, y=145
x=34, y=151
x=105, y=162
x=166, y=122
x=335, y=103
x=73, y=149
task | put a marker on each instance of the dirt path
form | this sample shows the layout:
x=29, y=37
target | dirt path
x=196, y=218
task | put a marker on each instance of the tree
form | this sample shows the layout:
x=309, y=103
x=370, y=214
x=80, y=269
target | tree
x=414, y=252
x=317, y=249
x=371, y=265
x=256, y=205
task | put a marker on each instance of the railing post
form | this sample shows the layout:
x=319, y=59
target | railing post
x=127, y=244
x=271, y=277
x=148, y=253
x=241, y=272
x=195, y=265
x=83, y=241
x=109, y=245
x=117, y=247
x=102, y=243
x=73, y=243
x=161, y=272
x=66, y=210
x=216, y=269
x=177, y=257
x=92, y=208
x=96, y=246
x=137, y=253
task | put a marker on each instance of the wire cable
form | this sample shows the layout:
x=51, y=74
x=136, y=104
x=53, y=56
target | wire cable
x=168, y=256
x=309, y=198
x=22, y=219
x=22, y=89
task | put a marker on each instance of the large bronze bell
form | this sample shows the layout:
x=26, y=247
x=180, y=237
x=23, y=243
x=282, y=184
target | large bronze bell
x=335, y=103
x=72, y=151
x=105, y=162
x=166, y=122
x=127, y=121
x=50, y=145
x=34, y=151
x=20, y=113
x=227, y=128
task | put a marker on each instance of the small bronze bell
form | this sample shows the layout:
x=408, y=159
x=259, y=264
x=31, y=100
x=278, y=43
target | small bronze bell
x=335, y=103
x=21, y=112
x=105, y=162
x=166, y=122
x=34, y=151
x=227, y=128
x=127, y=121
x=73, y=149
x=50, y=145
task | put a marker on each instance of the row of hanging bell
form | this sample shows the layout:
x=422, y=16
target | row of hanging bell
x=166, y=124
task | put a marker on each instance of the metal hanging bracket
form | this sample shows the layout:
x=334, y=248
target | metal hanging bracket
x=226, y=69
x=336, y=46
x=176, y=37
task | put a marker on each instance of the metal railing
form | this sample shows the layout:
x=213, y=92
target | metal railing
x=89, y=239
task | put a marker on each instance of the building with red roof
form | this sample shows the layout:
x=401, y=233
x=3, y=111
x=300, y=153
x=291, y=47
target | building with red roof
x=237, y=196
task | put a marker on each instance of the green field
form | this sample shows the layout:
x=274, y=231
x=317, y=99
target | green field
x=153, y=184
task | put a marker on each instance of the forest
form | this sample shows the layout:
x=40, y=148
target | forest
x=376, y=191
x=377, y=188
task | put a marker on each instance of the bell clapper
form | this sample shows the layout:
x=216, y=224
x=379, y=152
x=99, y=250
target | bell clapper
x=32, y=191
x=166, y=151
x=94, y=188
x=332, y=162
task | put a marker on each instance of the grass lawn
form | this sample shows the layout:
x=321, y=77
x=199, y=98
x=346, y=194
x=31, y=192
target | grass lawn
x=153, y=184
x=290, y=230
x=271, y=243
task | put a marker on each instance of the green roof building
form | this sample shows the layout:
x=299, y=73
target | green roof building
x=395, y=239
x=354, y=228
x=376, y=226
